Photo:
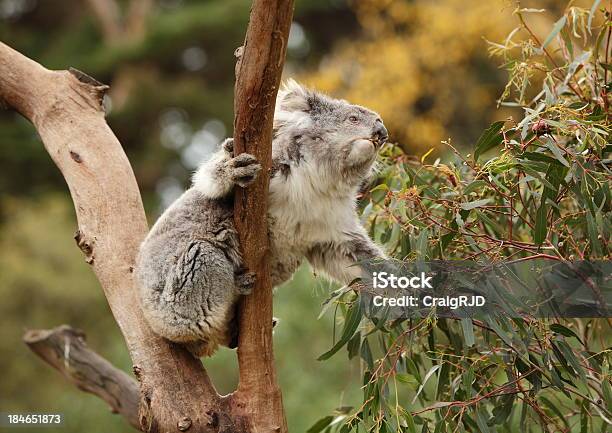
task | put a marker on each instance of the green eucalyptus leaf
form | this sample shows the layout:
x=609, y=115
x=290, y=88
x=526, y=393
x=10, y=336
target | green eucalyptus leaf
x=537, y=156
x=594, y=7
x=468, y=331
x=481, y=421
x=490, y=138
x=541, y=224
x=560, y=329
x=584, y=419
x=430, y=373
x=555, y=409
x=593, y=235
x=557, y=152
x=606, y=389
x=502, y=411
x=406, y=378
x=474, y=204
x=467, y=379
x=422, y=244
x=320, y=424
x=353, y=346
x=353, y=318
x=411, y=427
x=474, y=186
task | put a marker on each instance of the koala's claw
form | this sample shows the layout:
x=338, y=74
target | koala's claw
x=247, y=179
x=245, y=282
x=228, y=146
x=243, y=160
x=245, y=169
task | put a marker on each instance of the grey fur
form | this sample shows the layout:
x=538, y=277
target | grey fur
x=189, y=266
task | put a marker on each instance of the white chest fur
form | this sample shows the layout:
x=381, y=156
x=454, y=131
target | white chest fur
x=305, y=214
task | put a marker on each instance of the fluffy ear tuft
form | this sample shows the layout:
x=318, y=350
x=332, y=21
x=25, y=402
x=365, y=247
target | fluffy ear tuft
x=293, y=97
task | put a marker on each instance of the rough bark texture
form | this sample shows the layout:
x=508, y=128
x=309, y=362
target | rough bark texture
x=64, y=348
x=65, y=107
x=175, y=391
x=258, y=73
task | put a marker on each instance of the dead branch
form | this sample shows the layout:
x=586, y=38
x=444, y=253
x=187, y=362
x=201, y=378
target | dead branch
x=258, y=74
x=64, y=348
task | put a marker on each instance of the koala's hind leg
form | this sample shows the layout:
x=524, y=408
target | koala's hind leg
x=197, y=302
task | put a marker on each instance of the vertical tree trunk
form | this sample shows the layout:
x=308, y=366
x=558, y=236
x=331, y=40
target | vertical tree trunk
x=258, y=74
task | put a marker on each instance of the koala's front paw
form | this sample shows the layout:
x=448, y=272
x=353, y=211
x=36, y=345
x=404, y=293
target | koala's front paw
x=244, y=169
x=245, y=282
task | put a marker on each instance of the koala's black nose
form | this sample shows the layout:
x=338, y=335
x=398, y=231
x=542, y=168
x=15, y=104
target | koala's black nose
x=380, y=133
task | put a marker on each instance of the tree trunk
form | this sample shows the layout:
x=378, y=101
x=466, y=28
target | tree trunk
x=258, y=73
x=66, y=109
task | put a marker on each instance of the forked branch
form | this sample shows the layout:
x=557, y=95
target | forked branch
x=65, y=107
x=175, y=391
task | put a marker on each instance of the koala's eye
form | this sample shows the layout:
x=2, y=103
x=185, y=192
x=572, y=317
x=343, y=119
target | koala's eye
x=353, y=119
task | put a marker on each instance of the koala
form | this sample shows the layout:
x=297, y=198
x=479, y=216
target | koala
x=189, y=266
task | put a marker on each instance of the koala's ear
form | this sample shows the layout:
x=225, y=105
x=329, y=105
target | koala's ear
x=293, y=97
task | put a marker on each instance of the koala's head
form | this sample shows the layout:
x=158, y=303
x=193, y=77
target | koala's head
x=325, y=138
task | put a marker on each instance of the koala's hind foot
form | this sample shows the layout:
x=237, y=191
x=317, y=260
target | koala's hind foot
x=245, y=281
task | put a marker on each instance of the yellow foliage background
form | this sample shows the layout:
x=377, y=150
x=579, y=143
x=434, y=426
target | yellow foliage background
x=423, y=65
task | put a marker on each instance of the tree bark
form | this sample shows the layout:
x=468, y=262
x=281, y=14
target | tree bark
x=175, y=391
x=65, y=107
x=64, y=348
x=258, y=74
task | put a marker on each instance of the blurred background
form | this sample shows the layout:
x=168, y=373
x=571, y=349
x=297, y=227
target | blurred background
x=170, y=63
